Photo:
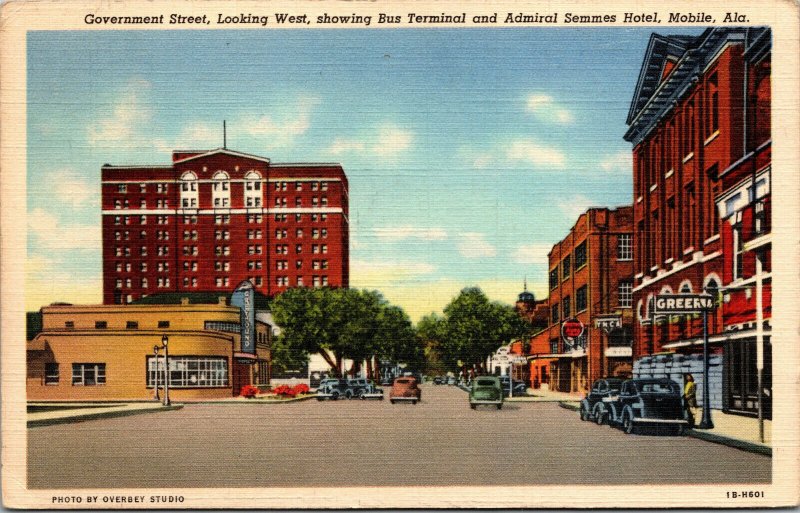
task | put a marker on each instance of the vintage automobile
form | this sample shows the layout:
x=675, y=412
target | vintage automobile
x=648, y=402
x=486, y=390
x=520, y=388
x=439, y=380
x=451, y=380
x=362, y=389
x=405, y=389
x=593, y=406
x=332, y=389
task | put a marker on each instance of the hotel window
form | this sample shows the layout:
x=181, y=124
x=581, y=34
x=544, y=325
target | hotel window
x=299, y=281
x=566, y=307
x=759, y=218
x=580, y=299
x=258, y=282
x=163, y=324
x=315, y=249
x=222, y=282
x=117, y=220
x=314, y=201
x=162, y=188
x=324, y=248
x=298, y=202
x=315, y=233
x=127, y=283
x=566, y=267
x=324, y=233
x=323, y=217
x=315, y=264
x=298, y=248
x=625, y=247
x=132, y=325
x=122, y=188
x=324, y=201
x=554, y=314
x=298, y=233
x=298, y=217
x=142, y=219
x=70, y=325
x=284, y=185
x=162, y=203
x=316, y=281
x=298, y=264
x=142, y=234
x=162, y=219
x=163, y=250
x=51, y=376
x=314, y=186
x=580, y=255
x=298, y=186
x=280, y=218
x=117, y=204
x=118, y=284
x=189, y=371
x=554, y=278
x=143, y=204
x=119, y=267
x=144, y=283
x=324, y=264
x=88, y=374
x=194, y=282
x=142, y=187
x=143, y=266
x=324, y=281
x=256, y=218
x=625, y=293
x=324, y=186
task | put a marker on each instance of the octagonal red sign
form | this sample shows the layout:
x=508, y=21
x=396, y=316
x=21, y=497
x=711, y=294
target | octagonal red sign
x=572, y=328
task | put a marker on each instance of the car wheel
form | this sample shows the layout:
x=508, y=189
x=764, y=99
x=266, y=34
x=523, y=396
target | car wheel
x=413, y=402
x=679, y=430
x=334, y=396
x=500, y=406
x=391, y=401
x=473, y=406
x=348, y=395
x=362, y=394
x=320, y=399
x=584, y=414
x=627, y=424
x=600, y=417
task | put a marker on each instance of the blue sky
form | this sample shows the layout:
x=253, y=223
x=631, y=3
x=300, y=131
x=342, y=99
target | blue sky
x=469, y=151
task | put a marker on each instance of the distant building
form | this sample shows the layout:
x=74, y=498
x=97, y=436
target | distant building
x=105, y=352
x=591, y=277
x=700, y=127
x=212, y=219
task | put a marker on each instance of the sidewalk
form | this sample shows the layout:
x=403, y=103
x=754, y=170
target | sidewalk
x=79, y=412
x=736, y=431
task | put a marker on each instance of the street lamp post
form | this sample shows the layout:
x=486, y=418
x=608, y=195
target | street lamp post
x=155, y=353
x=164, y=342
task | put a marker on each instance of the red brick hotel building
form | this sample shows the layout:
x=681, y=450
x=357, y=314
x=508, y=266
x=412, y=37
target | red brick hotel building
x=212, y=219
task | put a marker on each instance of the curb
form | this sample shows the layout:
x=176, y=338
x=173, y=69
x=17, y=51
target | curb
x=742, y=445
x=97, y=416
x=255, y=401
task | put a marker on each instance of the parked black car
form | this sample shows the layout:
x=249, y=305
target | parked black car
x=520, y=387
x=649, y=402
x=593, y=406
x=333, y=389
x=439, y=380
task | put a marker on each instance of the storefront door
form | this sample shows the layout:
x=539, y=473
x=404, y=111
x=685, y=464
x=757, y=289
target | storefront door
x=742, y=377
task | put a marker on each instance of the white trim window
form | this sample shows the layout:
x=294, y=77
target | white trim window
x=221, y=190
x=252, y=190
x=88, y=374
x=189, y=371
x=625, y=293
x=625, y=247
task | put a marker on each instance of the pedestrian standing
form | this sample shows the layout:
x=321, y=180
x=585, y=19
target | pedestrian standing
x=690, y=397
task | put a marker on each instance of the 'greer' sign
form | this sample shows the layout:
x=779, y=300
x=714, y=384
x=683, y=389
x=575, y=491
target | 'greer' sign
x=682, y=303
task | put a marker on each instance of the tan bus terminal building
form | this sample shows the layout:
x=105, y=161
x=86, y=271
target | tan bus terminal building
x=107, y=352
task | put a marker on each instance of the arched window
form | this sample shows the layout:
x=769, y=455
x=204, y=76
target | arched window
x=221, y=190
x=188, y=190
x=252, y=190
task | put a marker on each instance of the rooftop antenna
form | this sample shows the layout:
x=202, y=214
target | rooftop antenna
x=526, y=283
x=224, y=136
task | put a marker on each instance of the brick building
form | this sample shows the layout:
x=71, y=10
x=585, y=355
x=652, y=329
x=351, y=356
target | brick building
x=699, y=124
x=212, y=219
x=591, y=276
x=105, y=352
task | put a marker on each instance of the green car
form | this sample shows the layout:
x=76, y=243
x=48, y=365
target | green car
x=486, y=390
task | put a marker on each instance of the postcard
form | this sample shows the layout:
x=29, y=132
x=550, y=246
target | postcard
x=398, y=254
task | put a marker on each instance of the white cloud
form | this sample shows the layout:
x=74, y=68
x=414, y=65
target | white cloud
x=65, y=187
x=545, y=108
x=51, y=234
x=128, y=113
x=573, y=206
x=292, y=123
x=474, y=245
x=380, y=274
x=390, y=141
x=534, y=253
x=535, y=153
x=618, y=162
x=398, y=233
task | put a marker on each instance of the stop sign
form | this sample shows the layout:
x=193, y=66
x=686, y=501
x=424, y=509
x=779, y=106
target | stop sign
x=572, y=329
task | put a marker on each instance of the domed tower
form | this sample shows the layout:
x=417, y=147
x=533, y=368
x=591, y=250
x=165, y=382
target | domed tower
x=526, y=302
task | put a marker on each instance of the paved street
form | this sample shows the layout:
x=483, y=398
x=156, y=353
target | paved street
x=439, y=441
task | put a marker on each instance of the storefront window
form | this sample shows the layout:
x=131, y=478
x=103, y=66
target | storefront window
x=189, y=371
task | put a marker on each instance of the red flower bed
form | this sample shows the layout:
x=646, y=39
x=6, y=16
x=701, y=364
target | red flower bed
x=287, y=391
x=249, y=391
